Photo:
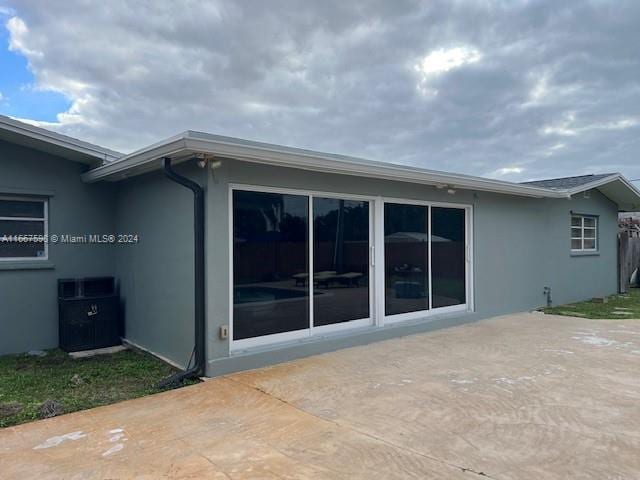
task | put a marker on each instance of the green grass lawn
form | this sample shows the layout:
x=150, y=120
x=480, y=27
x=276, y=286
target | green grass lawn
x=617, y=307
x=77, y=384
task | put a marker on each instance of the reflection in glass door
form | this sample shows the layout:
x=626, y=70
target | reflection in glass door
x=270, y=263
x=448, y=256
x=406, y=255
x=341, y=246
x=303, y=261
x=425, y=249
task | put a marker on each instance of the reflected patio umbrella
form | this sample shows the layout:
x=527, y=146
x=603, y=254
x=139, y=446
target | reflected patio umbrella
x=338, y=250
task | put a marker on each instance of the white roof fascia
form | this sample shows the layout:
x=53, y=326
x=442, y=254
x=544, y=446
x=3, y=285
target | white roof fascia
x=617, y=177
x=370, y=169
x=187, y=143
x=604, y=181
x=144, y=160
x=41, y=134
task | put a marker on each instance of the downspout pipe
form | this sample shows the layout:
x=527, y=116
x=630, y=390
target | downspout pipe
x=198, y=369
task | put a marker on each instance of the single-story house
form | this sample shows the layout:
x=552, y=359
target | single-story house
x=257, y=253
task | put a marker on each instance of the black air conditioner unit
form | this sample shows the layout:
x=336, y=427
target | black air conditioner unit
x=88, y=314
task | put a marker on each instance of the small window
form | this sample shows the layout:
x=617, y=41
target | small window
x=23, y=228
x=584, y=233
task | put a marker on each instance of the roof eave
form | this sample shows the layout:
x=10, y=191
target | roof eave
x=137, y=163
x=185, y=144
x=76, y=150
x=599, y=184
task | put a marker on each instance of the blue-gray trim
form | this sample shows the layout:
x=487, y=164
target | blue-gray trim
x=30, y=192
x=27, y=265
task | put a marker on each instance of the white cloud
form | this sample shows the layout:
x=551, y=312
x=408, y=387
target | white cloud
x=568, y=127
x=553, y=149
x=621, y=124
x=442, y=61
x=545, y=91
x=38, y=123
x=563, y=127
x=540, y=89
x=18, y=33
x=501, y=172
x=337, y=76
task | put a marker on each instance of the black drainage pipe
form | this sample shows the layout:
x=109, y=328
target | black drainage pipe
x=198, y=368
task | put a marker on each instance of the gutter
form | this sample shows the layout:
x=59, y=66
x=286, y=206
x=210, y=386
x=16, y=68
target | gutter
x=198, y=369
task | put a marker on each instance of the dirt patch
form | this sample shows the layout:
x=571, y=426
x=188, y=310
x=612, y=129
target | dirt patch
x=9, y=409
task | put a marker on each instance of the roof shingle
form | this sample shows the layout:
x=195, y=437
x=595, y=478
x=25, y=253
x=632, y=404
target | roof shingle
x=568, y=183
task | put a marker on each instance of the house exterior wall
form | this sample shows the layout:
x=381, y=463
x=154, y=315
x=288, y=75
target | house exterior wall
x=157, y=274
x=28, y=290
x=575, y=277
x=520, y=246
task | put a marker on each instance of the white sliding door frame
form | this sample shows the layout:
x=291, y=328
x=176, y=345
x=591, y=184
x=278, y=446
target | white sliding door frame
x=383, y=318
x=377, y=316
x=312, y=330
x=351, y=324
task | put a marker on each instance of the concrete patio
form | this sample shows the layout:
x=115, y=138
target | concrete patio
x=515, y=397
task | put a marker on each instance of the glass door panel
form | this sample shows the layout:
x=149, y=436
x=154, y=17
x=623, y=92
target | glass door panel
x=341, y=246
x=270, y=263
x=406, y=254
x=448, y=256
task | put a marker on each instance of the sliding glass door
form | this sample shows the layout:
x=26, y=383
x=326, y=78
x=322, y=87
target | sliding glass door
x=270, y=263
x=278, y=293
x=425, y=262
x=303, y=263
x=341, y=246
x=448, y=257
x=406, y=258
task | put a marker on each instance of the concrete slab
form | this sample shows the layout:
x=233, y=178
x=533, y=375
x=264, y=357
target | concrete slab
x=516, y=397
x=98, y=351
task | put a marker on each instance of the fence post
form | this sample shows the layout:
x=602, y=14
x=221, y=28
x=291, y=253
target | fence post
x=623, y=262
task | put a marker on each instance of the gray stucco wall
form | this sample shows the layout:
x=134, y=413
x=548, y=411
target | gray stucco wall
x=28, y=295
x=520, y=246
x=578, y=277
x=156, y=275
x=523, y=245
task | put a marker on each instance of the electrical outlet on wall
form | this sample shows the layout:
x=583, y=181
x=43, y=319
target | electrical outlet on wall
x=224, y=331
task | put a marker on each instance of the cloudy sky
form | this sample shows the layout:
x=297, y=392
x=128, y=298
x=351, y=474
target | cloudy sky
x=510, y=89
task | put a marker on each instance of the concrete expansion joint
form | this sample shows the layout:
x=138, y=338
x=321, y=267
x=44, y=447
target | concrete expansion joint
x=355, y=430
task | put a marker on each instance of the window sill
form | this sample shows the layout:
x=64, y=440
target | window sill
x=27, y=265
x=585, y=254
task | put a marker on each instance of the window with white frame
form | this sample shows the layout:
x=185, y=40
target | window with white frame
x=584, y=233
x=23, y=228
